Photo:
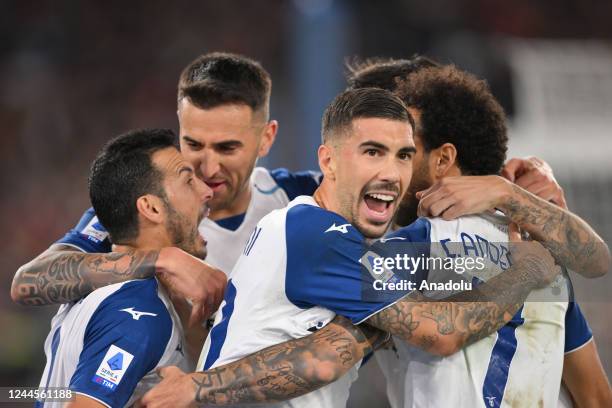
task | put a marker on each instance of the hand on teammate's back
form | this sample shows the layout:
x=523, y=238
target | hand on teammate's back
x=453, y=197
x=189, y=277
x=536, y=176
x=176, y=389
x=531, y=258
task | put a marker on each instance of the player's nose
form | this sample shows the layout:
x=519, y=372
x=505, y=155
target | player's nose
x=204, y=192
x=210, y=166
x=389, y=172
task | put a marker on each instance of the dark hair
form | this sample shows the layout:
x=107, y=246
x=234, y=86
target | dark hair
x=384, y=73
x=122, y=172
x=458, y=108
x=221, y=78
x=362, y=103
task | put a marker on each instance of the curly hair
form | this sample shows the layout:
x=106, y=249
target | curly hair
x=383, y=73
x=458, y=108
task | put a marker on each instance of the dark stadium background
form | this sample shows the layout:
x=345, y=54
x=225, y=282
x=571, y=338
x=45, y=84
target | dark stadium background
x=75, y=73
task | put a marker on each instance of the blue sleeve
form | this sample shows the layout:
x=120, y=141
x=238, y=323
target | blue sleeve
x=88, y=235
x=577, y=330
x=328, y=265
x=297, y=184
x=124, y=340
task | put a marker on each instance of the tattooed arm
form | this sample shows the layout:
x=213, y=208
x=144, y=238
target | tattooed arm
x=277, y=373
x=444, y=327
x=572, y=241
x=61, y=275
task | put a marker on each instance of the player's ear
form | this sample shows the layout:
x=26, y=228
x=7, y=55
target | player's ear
x=445, y=158
x=151, y=208
x=267, y=138
x=327, y=162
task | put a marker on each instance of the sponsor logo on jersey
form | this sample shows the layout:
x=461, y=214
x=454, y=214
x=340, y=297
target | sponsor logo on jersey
x=136, y=315
x=113, y=367
x=94, y=231
x=340, y=228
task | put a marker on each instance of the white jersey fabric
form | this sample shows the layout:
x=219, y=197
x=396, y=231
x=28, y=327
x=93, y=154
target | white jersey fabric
x=108, y=345
x=270, y=190
x=298, y=269
x=520, y=365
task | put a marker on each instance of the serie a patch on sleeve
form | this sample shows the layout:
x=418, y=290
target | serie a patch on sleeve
x=112, y=368
x=94, y=231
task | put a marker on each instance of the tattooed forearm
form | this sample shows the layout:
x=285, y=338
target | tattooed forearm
x=443, y=327
x=571, y=241
x=61, y=276
x=290, y=369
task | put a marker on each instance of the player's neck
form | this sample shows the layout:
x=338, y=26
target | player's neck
x=324, y=197
x=237, y=207
x=149, y=239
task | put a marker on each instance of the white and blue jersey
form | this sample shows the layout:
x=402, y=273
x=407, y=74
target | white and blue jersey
x=270, y=190
x=300, y=267
x=107, y=345
x=520, y=365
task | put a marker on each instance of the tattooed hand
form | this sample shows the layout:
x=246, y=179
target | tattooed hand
x=176, y=389
x=535, y=260
x=572, y=242
x=277, y=373
x=189, y=277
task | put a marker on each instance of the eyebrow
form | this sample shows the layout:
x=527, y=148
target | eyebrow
x=191, y=140
x=229, y=143
x=371, y=143
x=411, y=149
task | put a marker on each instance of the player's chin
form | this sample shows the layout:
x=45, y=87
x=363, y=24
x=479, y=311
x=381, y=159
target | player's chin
x=373, y=228
x=374, y=224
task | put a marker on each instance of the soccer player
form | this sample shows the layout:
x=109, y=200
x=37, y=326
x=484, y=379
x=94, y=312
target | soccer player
x=106, y=345
x=223, y=112
x=365, y=158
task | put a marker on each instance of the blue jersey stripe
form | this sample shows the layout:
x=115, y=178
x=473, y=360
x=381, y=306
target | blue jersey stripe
x=54, y=345
x=499, y=365
x=219, y=332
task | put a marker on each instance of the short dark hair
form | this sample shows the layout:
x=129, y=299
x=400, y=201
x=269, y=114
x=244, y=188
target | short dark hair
x=384, y=73
x=362, y=103
x=122, y=172
x=221, y=78
x=458, y=108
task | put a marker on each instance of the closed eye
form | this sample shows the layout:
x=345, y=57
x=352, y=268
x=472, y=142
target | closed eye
x=228, y=147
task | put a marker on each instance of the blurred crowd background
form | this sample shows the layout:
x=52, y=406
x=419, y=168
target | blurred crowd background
x=75, y=73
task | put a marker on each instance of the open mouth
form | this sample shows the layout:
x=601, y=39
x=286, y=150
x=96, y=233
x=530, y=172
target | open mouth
x=379, y=206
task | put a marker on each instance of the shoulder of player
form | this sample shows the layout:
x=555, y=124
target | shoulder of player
x=307, y=222
x=426, y=228
x=293, y=184
x=418, y=231
x=133, y=303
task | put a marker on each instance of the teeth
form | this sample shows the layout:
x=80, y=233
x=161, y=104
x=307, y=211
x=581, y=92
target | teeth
x=382, y=197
